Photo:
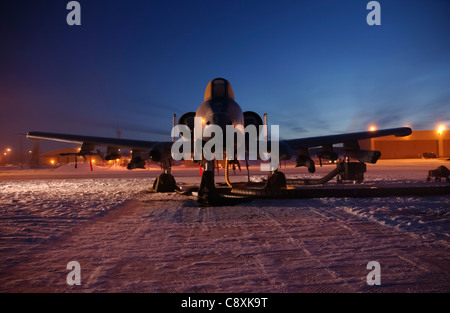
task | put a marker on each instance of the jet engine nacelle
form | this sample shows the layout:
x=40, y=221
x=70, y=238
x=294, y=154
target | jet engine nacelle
x=188, y=120
x=252, y=118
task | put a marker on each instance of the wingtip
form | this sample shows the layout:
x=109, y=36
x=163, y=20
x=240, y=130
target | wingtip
x=404, y=131
x=30, y=134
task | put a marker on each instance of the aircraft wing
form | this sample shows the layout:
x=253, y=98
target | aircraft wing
x=157, y=151
x=310, y=142
x=94, y=141
x=351, y=148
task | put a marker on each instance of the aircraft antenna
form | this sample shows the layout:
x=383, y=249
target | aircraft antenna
x=173, y=125
x=267, y=129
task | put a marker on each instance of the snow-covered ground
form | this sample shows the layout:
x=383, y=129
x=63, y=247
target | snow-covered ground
x=128, y=239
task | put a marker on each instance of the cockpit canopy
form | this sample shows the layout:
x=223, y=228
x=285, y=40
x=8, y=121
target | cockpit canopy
x=218, y=88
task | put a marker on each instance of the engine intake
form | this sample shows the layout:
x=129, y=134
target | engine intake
x=188, y=120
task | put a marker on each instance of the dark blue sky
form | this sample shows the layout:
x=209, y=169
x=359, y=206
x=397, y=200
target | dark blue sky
x=315, y=67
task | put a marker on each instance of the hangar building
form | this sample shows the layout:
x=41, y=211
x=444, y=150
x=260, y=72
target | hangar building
x=417, y=144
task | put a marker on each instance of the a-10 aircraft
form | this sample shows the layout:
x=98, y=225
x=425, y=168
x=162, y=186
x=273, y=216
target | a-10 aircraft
x=220, y=110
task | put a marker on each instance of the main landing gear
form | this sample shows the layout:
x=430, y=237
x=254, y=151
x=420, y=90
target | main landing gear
x=277, y=186
x=211, y=195
x=276, y=181
x=165, y=182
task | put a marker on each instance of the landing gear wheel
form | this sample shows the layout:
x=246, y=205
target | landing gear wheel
x=165, y=183
x=276, y=181
x=207, y=193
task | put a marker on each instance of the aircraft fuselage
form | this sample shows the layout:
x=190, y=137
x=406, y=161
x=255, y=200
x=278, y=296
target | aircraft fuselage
x=219, y=107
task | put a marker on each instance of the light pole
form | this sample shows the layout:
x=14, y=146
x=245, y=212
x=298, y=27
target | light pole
x=372, y=128
x=440, y=131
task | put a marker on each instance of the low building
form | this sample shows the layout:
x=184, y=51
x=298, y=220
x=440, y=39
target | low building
x=57, y=157
x=66, y=156
x=60, y=157
x=417, y=144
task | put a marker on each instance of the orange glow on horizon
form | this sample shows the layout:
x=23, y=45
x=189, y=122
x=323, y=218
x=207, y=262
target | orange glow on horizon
x=372, y=128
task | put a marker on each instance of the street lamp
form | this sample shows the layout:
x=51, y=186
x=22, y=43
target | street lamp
x=440, y=130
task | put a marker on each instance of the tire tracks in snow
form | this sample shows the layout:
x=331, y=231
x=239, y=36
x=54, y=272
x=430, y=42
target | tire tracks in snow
x=338, y=282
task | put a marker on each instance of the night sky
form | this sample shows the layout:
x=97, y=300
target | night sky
x=316, y=67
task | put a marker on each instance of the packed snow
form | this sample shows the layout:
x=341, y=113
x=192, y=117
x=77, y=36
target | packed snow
x=127, y=238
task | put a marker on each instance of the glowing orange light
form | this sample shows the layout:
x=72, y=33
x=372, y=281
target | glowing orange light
x=441, y=128
x=9, y=149
x=372, y=128
x=53, y=162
